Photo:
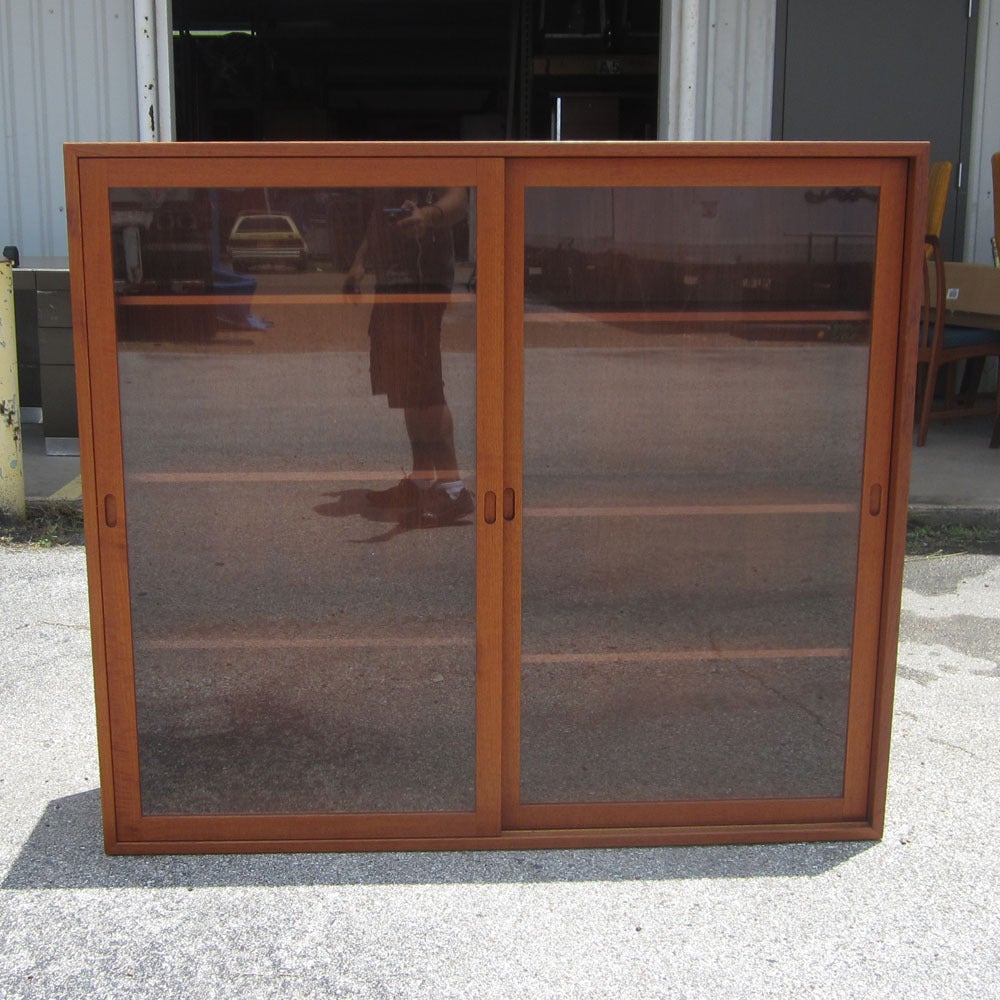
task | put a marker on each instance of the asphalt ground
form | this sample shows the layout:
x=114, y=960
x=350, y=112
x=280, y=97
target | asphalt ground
x=915, y=915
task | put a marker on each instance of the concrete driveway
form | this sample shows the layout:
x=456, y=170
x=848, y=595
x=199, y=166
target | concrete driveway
x=915, y=916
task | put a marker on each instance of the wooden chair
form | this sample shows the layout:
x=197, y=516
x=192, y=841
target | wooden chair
x=937, y=197
x=941, y=348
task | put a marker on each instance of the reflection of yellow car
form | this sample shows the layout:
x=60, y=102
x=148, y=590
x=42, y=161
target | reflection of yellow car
x=264, y=239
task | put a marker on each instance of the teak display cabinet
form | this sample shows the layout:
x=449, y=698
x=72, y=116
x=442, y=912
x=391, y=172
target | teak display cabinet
x=675, y=382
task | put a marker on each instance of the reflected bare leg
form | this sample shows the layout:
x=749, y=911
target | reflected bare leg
x=441, y=495
x=432, y=445
x=432, y=442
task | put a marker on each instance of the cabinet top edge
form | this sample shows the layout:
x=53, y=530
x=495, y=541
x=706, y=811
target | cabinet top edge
x=510, y=150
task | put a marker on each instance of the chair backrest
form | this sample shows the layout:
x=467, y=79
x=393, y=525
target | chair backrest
x=937, y=195
x=996, y=209
x=933, y=311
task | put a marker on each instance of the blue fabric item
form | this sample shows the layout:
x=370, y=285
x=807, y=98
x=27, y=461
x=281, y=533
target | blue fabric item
x=969, y=336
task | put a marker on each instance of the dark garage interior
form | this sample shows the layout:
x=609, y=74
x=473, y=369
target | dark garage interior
x=420, y=70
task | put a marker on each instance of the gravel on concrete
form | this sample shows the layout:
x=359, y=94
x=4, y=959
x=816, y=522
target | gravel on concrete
x=914, y=916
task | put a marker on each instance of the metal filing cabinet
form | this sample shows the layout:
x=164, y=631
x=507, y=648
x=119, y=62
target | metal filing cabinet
x=26, y=324
x=45, y=351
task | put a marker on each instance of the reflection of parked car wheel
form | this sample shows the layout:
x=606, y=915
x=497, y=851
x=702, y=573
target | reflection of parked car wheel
x=261, y=238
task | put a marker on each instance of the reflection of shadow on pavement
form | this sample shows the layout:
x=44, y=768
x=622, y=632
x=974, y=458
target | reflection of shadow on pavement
x=64, y=851
x=353, y=503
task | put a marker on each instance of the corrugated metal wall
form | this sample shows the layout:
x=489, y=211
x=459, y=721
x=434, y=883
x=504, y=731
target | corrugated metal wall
x=716, y=69
x=67, y=73
x=738, y=69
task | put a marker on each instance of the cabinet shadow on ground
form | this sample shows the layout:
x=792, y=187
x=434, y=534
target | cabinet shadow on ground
x=65, y=851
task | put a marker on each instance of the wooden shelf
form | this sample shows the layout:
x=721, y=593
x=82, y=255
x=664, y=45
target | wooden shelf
x=679, y=508
x=549, y=316
x=266, y=476
x=296, y=642
x=704, y=316
x=300, y=642
x=687, y=655
x=342, y=299
x=701, y=510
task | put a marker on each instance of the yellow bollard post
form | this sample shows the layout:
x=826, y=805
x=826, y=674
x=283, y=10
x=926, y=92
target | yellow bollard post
x=11, y=458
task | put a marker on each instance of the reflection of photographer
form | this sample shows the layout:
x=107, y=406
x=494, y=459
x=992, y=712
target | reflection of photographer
x=409, y=240
x=409, y=243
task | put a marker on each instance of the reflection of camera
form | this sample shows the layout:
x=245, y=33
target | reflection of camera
x=395, y=214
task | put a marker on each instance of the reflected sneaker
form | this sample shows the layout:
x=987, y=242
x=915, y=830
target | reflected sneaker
x=403, y=495
x=437, y=507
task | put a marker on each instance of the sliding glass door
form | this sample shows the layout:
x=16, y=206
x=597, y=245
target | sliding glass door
x=308, y=596
x=695, y=394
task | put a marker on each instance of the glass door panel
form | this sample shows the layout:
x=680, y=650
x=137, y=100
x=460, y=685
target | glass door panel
x=696, y=365
x=297, y=382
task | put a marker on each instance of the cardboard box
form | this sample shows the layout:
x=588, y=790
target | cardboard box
x=973, y=293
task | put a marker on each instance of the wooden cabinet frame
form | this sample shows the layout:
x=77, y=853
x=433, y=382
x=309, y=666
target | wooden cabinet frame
x=501, y=172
